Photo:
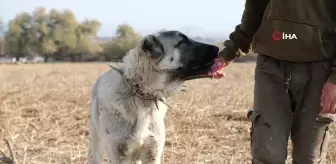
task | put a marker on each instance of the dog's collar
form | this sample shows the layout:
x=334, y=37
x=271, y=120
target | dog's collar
x=134, y=90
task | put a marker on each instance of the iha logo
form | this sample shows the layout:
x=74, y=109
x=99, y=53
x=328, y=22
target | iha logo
x=277, y=35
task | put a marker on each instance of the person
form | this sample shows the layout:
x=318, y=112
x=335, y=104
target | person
x=295, y=76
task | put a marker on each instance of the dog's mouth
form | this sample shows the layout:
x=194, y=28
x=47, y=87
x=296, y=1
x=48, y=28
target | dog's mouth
x=210, y=69
x=177, y=70
x=205, y=66
x=202, y=61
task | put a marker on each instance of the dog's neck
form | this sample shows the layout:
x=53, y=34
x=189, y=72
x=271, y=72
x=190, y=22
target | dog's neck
x=140, y=71
x=135, y=90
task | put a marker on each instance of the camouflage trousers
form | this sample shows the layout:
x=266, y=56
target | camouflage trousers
x=287, y=105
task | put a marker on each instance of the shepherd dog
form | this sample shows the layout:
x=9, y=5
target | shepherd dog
x=128, y=103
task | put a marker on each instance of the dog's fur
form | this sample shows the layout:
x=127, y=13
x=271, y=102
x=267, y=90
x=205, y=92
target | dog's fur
x=130, y=128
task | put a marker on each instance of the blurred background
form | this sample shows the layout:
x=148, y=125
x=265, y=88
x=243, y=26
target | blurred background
x=103, y=30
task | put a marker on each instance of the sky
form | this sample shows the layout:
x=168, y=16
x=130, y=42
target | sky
x=212, y=18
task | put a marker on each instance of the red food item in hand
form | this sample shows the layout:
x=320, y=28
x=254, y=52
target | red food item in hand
x=216, y=71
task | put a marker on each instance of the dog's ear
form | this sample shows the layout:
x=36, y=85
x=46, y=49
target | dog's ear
x=152, y=46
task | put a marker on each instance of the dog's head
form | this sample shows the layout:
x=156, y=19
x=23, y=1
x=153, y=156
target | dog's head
x=168, y=58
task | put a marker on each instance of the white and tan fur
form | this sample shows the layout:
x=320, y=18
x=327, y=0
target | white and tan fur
x=129, y=128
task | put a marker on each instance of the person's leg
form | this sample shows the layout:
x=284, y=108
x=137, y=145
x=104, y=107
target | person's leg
x=272, y=116
x=310, y=129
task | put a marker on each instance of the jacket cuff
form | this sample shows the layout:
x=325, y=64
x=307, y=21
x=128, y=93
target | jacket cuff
x=332, y=77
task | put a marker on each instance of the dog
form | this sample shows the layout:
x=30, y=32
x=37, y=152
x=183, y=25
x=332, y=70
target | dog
x=128, y=106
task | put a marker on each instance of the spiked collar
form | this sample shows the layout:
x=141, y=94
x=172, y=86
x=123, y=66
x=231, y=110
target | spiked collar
x=135, y=91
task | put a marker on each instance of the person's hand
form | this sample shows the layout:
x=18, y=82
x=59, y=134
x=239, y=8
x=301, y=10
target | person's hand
x=328, y=98
x=225, y=57
x=217, y=70
x=230, y=51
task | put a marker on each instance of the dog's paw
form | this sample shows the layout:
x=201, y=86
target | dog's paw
x=129, y=145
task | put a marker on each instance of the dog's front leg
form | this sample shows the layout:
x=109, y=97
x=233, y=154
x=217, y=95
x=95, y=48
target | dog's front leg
x=151, y=152
x=95, y=148
x=113, y=157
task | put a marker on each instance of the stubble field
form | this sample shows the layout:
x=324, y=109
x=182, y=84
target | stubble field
x=44, y=112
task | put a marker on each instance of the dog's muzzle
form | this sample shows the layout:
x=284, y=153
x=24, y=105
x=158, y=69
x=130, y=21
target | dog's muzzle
x=203, y=59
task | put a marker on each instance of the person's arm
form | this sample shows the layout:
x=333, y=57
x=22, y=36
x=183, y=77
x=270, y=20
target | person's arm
x=243, y=34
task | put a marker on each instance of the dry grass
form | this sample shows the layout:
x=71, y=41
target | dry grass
x=44, y=111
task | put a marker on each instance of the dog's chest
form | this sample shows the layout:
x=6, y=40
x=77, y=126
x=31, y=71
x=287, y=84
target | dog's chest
x=153, y=122
x=131, y=118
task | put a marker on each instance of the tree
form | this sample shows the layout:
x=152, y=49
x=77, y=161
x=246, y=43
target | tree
x=2, y=32
x=86, y=33
x=2, y=27
x=74, y=39
x=55, y=34
x=65, y=31
x=20, y=35
x=126, y=31
x=43, y=43
x=126, y=39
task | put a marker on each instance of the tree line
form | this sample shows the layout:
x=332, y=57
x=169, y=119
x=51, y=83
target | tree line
x=58, y=35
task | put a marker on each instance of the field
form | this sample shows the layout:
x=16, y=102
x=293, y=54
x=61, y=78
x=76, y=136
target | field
x=44, y=112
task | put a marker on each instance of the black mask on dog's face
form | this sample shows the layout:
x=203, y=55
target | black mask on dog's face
x=186, y=58
x=198, y=59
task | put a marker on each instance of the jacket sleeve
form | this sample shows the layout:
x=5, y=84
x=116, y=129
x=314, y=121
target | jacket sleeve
x=251, y=20
x=332, y=76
